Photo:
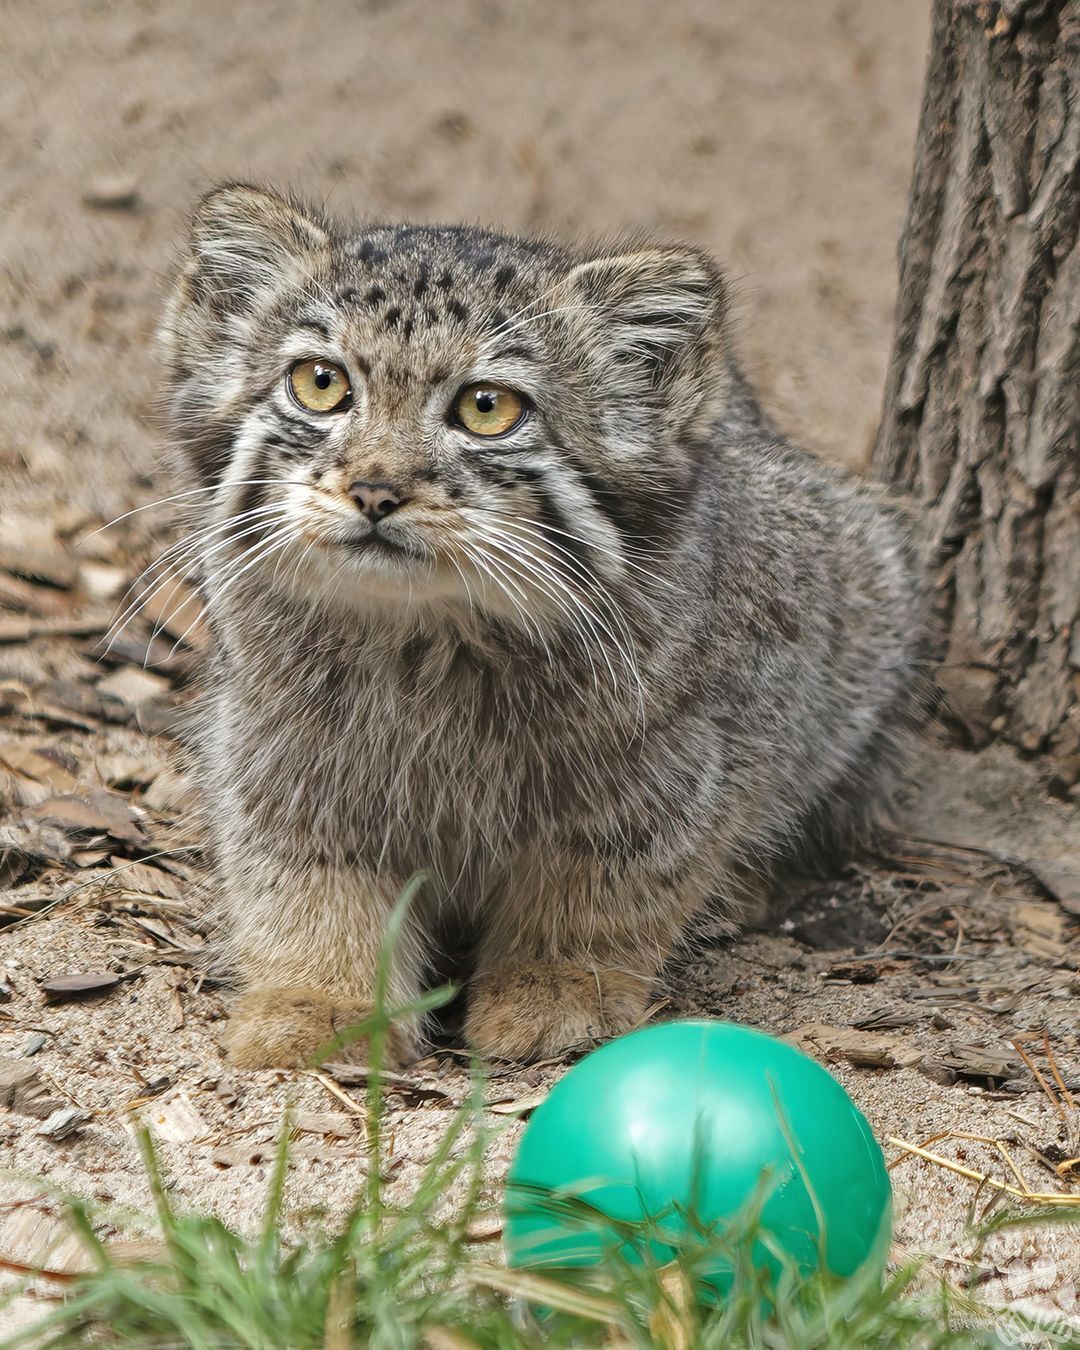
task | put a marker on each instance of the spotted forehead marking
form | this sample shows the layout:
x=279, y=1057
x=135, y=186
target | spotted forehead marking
x=416, y=280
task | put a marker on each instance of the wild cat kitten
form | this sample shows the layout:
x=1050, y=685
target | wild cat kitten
x=510, y=580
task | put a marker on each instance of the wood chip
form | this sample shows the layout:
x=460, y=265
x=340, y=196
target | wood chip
x=485, y=1227
x=102, y=581
x=22, y=757
x=864, y=1049
x=336, y=1124
x=23, y=1090
x=355, y=1075
x=515, y=1106
x=175, y=1119
x=63, y=1123
x=134, y=687
x=51, y=565
x=886, y=1019
x=15, y=628
x=64, y=988
x=1040, y=928
x=175, y=609
x=39, y=601
x=854, y=972
x=1061, y=877
x=968, y=1059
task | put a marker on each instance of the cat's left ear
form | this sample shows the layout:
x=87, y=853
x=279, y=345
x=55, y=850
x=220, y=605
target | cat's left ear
x=657, y=314
x=245, y=243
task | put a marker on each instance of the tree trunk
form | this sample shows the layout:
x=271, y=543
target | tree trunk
x=982, y=400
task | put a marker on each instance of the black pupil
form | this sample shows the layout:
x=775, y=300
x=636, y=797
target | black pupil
x=485, y=401
x=322, y=377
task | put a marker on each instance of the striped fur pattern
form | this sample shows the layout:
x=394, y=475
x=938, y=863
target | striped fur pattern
x=597, y=676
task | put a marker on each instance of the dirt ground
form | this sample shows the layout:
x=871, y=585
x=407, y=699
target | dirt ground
x=779, y=135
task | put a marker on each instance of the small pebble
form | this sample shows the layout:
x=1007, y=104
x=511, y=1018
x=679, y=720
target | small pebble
x=112, y=192
x=35, y=1043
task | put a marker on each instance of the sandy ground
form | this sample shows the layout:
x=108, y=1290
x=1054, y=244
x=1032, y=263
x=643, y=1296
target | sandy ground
x=779, y=135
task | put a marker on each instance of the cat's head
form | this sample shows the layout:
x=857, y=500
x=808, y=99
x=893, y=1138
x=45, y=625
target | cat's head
x=418, y=415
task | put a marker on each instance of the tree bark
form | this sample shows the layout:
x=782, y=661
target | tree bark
x=982, y=400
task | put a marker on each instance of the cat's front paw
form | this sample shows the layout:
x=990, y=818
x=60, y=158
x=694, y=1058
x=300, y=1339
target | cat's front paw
x=530, y=1010
x=283, y=1028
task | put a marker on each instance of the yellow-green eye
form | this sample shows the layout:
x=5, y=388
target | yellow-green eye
x=489, y=409
x=320, y=386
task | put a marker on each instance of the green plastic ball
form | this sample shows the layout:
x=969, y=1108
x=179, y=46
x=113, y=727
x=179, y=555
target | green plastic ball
x=696, y=1128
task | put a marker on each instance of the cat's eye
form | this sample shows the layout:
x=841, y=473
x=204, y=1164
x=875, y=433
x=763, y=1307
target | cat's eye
x=320, y=386
x=489, y=409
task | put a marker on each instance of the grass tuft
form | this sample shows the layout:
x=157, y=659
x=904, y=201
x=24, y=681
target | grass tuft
x=402, y=1275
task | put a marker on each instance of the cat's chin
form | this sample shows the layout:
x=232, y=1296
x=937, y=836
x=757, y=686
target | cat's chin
x=359, y=579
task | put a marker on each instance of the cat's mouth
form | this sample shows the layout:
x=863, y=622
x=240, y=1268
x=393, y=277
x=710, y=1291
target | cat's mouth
x=379, y=543
x=376, y=543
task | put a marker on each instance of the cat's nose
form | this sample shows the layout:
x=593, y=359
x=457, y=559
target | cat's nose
x=376, y=500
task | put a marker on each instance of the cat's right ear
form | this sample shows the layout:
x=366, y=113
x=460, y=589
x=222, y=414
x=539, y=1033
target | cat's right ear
x=244, y=243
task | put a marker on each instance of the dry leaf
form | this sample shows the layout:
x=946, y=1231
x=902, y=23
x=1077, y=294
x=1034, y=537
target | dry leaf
x=139, y=879
x=137, y=1251
x=27, y=849
x=94, y=811
x=485, y=1227
x=171, y=794
x=89, y=857
x=115, y=767
x=443, y=1338
x=63, y=988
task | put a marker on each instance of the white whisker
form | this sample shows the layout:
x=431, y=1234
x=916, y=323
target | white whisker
x=179, y=496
